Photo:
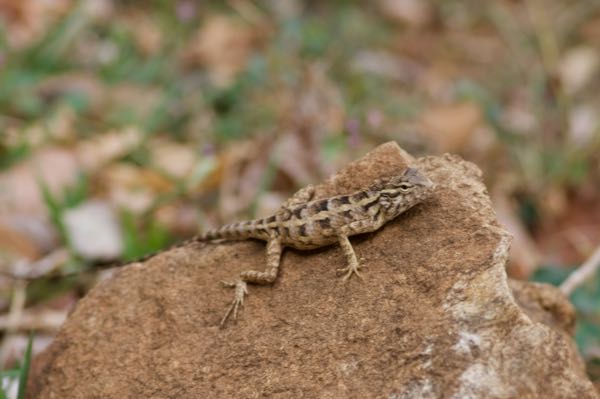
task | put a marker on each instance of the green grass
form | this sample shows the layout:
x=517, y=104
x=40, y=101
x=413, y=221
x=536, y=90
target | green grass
x=20, y=373
x=57, y=204
x=140, y=240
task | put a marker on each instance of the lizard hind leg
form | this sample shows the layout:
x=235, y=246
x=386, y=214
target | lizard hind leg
x=353, y=266
x=301, y=196
x=268, y=276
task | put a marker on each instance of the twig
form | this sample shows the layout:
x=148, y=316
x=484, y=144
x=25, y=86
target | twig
x=32, y=270
x=550, y=57
x=13, y=317
x=585, y=271
x=49, y=320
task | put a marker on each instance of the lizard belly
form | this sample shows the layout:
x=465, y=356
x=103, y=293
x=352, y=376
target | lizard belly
x=306, y=243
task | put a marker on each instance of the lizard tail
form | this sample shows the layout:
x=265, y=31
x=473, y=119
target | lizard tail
x=236, y=231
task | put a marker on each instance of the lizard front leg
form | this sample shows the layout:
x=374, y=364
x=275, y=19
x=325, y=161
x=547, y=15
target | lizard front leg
x=300, y=197
x=268, y=276
x=353, y=265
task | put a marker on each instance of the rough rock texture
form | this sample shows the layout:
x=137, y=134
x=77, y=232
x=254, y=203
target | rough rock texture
x=434, y=316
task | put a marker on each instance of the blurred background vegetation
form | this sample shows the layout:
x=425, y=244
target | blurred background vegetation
x=126, y=126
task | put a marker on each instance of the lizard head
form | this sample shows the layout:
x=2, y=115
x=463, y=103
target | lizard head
x=398, y=193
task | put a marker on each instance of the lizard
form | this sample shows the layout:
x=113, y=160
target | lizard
x=305, y=223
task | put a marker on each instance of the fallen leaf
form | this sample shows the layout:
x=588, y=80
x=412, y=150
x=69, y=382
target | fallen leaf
x=178, y=160
x=387, y=65
x=83, y=84
x=285, y=9
x=101, y=149
x=180, y=219
x=578, y=67
x=132, y=187
x=269, y=203
x=19, y=186
x=450, y=127
x=26, y=236
x=26, y=21
x=583, y=124
x=93, y=231
x=14, y=346
x=415, y=13
x=524, y=255
x=244, y=167
x=15, y=244
x=223, y=45
x=146, y=33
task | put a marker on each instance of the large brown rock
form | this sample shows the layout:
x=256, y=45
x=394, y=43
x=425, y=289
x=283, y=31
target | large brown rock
x=433, y=317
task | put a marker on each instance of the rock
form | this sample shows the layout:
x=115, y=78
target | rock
x=433, y=317
x=546, y=304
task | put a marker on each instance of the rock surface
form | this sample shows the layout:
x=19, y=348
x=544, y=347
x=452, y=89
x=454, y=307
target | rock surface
x=433, y=317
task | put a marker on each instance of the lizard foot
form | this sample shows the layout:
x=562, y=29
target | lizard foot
x=241, y=289
x=349, y=270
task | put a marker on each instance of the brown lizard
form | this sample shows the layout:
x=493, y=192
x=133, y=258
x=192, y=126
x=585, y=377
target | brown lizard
x=303, y=223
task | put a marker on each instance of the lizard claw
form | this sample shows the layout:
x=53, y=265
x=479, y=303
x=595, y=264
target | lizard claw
x=349, y=271
x=241, y=289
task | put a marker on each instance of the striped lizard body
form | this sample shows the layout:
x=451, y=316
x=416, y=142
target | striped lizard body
x=303, y=223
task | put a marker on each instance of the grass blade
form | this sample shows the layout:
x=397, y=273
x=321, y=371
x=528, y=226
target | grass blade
x=24, y=374
x=2, y=393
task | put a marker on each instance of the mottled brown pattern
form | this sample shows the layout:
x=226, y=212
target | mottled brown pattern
x=319, y=206
x=303, y=223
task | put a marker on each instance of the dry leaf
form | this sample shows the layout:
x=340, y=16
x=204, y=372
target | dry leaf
x=553, y=201
x=243, y=171
x=450, y=127
x=387, y=65
x=146, y=33
x=26, y=236
x=14, y=244
x=583, y=124
x=269, y=203
x=179, y=218
x=223, y=45
x=14, y=346
x=93, y=230
x=525, y=257
x=26, y=21
x=285, y=9
x=75, y=83
x=416, y=13
x=19, y=186
x=102, y=149
x=132, y=187
x=141, y=101
x=178, y=160
x=578, y=67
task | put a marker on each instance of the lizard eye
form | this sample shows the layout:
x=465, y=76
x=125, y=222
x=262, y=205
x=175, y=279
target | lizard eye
x=405, y=187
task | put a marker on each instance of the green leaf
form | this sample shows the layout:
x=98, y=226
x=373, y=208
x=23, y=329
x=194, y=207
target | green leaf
x=142, y=240
x=24, y=374
x=12, y=373
x=54, y=207
x=11, y=155
x=69, y=198
x=551, y=275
